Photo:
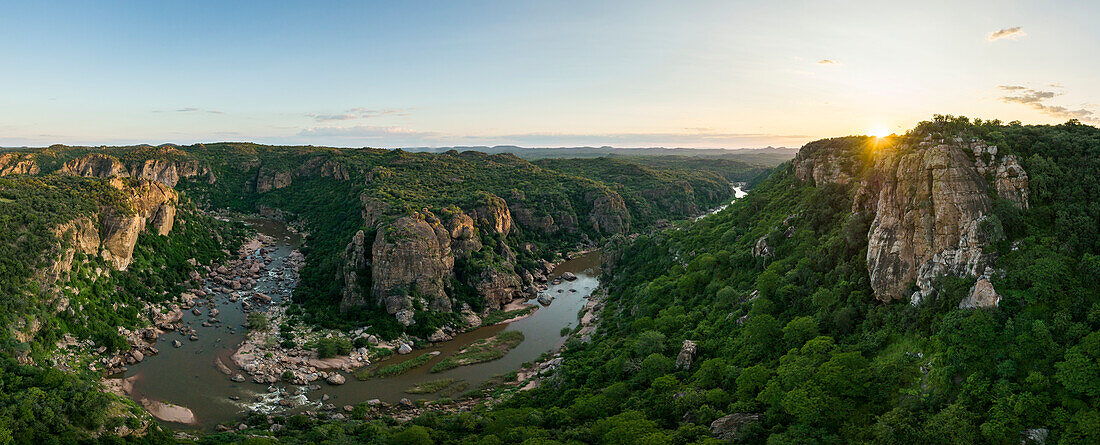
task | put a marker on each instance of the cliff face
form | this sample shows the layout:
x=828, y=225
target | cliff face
x=412, y=258
x=152, y=202
x=268, y=179
x=930, y=200
x=17, y=164
x=112, y=234
x=493, y=213
x=609, y=213
x=159, y=170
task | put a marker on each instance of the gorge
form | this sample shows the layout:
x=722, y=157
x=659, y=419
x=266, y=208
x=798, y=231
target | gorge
x=872, y=289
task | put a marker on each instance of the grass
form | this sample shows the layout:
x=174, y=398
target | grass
x=431, y=387
x=499, y=316
x=481, y=351
x=394, y=369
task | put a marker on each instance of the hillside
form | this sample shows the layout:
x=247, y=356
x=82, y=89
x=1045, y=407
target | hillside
x=506, y=217
x=936, y=287
x=794, y=317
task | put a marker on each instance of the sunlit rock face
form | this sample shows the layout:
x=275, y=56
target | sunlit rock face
x=18, y=164
x=164, y=171
x=930, y=200
x=270, y=178
x=112, y=233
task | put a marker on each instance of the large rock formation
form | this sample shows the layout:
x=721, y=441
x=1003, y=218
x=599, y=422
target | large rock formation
x=493, y=213
x=928, y=216
x=152, y=202
x=464, y=236
x=930, y=200
x=165, y=171
x=112, y=233
x=16, y=163
x=270, y=178
x=411, y=258
x=609, y=214
x=355, y=263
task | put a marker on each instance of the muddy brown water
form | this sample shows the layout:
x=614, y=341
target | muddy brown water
x=188, y=375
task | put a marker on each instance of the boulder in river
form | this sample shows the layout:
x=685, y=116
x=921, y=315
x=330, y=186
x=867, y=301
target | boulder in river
x=335, y=379
x=404, y=348
x=568, y=276
x=545, y=299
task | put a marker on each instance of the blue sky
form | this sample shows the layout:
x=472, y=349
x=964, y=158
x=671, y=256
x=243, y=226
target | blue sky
x=562, y=73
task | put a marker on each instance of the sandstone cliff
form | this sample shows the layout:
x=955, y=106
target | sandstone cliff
x=270, y=178
x=411, y=261
x=164, y=171
x=930, y=200
x=18, y=164
x=412, y=258
x=111, y=233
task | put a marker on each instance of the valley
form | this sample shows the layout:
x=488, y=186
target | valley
x=872, y=289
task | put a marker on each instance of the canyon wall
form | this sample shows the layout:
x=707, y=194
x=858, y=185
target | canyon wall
x=164, y=171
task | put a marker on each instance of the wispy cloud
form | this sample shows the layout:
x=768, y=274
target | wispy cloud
x=357, y=113
x=189, y=110
x=365, y=132
x=1013, y=33
x=827, y=62
x=1038, y=100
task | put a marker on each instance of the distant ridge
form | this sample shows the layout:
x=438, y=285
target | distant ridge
x=767, y=156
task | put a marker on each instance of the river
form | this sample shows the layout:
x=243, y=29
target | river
x=738, y=193
x=190, y=377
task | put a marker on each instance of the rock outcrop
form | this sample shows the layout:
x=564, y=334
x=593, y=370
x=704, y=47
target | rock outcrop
x=836, y=160
x=268, y=178
x=930, y=199
x=167, y=172
x=355, y=263
x=16, y=163
x=112, y=233
x=686, y=356
x=609, y=214
x=411, y=258
x=493, y=214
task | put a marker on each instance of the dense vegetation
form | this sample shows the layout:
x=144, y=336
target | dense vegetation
x=799, y=339
x=395, y=183
x=44, y=404
x=795, y=339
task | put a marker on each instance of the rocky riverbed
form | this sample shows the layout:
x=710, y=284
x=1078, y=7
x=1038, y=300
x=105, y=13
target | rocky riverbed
x=200, y=339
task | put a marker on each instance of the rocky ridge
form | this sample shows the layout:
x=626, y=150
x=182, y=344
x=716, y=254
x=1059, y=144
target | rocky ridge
x=930, y=199
x=160, y=170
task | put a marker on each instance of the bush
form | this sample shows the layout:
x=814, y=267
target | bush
x=332, y=346
x=257, y=321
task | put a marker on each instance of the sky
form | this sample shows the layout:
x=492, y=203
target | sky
x=720, y=74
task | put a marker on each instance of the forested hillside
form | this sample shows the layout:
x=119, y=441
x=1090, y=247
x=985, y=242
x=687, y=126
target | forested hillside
x=791, y=344
x=100, y=240
x=936, y=287
x=507, y=217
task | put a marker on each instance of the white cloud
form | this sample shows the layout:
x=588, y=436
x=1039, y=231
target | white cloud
x=1013, y=33
x=358, y=113
x=1037, y=99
